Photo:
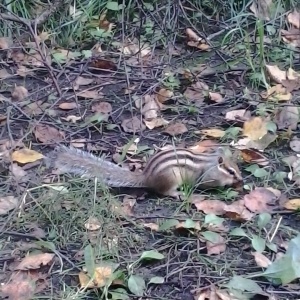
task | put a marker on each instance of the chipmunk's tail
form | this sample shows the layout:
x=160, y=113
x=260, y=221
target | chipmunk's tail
x=84, y=164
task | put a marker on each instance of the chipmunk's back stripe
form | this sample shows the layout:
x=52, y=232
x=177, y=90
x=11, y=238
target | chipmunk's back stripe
x=175, y=158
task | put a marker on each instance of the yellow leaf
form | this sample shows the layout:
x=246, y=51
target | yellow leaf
x=292, y=204
x=26, y=155
x=217, y=133
x=255, y=128
x=100, y=278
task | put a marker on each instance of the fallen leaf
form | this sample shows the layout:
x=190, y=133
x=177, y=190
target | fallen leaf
x=72, y=118
x=277, y=93
x=216, y=207
x=295, y=144
x=90, y=94
x=192, y=35
x=19, y=93
x=164, y=95
x=216, y=247
x=78, y=143
x=294, y=18
x=104, y=108
x=238, y=212
x=83, y=81
x=261, y=260
x=292, y=204
x=252, y=156
x=152, y=226
x=103, y=64
x=196, y=92
x=35, y=261
x=101, y=276
x=7, y=203
x=260, y=200
x=24, y=71
x=255, y=128
x=213, y=132
x=4, y=74
x=157, y=122
x=287, y=117
x=26, y=155
x=216, y=97
x=22, y=285
x=133, y=125
x=5, y=43
x=18, y=173
x=205, y=146
x=68, y=105
x=92, y=224
x=48, y=135
x=276, y=74
x=176, y=129
x=151, y=107
x=238, y=115
x=291, y=36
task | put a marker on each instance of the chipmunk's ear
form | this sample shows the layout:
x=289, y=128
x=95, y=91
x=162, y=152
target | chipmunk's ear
x=220, y=160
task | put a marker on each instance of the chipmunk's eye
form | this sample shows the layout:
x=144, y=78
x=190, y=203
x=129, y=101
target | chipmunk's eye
x=231, y=172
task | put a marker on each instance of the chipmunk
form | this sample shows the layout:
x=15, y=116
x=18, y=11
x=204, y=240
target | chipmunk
x=163, y=173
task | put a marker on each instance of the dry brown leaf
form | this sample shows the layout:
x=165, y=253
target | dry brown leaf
x=292, y=204
x=78, y=143
x=90, y=94
x=216, y=97
x=192, y=35
x=36, y=108
x=261, y=260
x=213, y=132
x=154, y=123
x=238, y=115
x=287, y=117
x=18, y=173
x=4, y=74
x=291, y=36
x=35, y=261
x=238, y=212
x=276, y=74
x=22, y=285
x=152, y=226
x=277, y=93
x=216, y=248
x=72, y=118
x=5, y=43
x=261, y=9
x=68, y=105
x=253, y=156
x=204, y=146
x=176, y=129
x=196, y=92
x=100, y=277
x=104, y=108
x=83, y=81
x=133, y=125
x=92, y=224
x=164, y=95
x=255, y=128
x=26, y=155
x=294, y=18
x=151, y=107
x=19, y=93
x=216, y=207
x=7, y=203
x=295, y=144
x=24, y=71
x=130, y=89
x=48, y=135
x=260, y=200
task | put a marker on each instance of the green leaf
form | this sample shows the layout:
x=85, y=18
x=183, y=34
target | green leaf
x=152, y=254
x=112, y=5
x=119, y=294
x=189, y=223
x=136, y=285
x=210, y=236
x=238, y=232
x=263, y=220
x=213, y=219
x=287, y=268
x=157, y=280
x=272, y=246
x=243, y=284
x=168, y=224
x=258, y=243
x=260, y=172
x=89, y=260
x=47, y=245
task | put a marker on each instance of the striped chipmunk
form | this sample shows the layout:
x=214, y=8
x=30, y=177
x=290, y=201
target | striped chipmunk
x=164, y=172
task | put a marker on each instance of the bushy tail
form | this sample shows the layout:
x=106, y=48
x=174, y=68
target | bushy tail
x=78, y=162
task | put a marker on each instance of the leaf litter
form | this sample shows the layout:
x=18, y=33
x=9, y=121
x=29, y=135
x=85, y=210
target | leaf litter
x=196, y=110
